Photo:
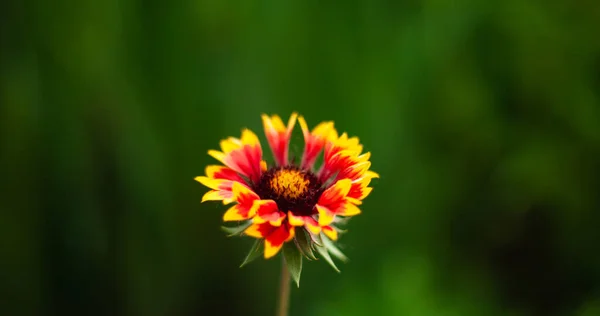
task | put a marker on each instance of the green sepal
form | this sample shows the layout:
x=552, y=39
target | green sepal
x=234, y=231
x=315, y=239
x=303, y=241
x=325, y=254
x=293, y=261
x=255, y=251
x=342, y=221
x=332, y=249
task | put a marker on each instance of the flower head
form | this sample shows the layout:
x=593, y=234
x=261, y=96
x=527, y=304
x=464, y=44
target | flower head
x=287, y=202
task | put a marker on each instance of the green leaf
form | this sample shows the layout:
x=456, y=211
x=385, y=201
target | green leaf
x=325, y=254
x=293, y=260
x=335, y=251
x=233, y=231
x=254, y=252
x=304, y=243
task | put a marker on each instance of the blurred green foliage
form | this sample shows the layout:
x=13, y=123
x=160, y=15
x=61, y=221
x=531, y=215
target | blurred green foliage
x=483, y=120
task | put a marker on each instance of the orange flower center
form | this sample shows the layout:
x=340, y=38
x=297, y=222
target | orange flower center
x=290, y=184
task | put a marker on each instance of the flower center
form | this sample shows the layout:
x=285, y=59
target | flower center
x=293, y=189
x=289, y=184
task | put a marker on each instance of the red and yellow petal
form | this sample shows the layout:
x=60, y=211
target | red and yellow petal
x=243, y=194
x=221, y=189
x=246, y=161
x=338, y=144
x=330, y=232
x=212, y=195
x=274, y=124
x=267, y=211
x=275, y=240
x=355, y=171
x=360, y=187
x=307, y=221
x=274, y=236
x=348, y=209
x=326, y=215
x=278, y=136
x=371, y=174
x=222, y=172
x=312, y=225
x=295, y=220
x=337, y=192
x=315, y=140
x=238, y=212
x=245, y=198
x=221, y=180
x=359, y=192
x=249, y=138
x=215, y=184
x=218, y=195
x=340, y=161
x=220, y=156
x=230, y=144
x=242, y=155
x=258, y=230
x=335, y=201
x=366, y=178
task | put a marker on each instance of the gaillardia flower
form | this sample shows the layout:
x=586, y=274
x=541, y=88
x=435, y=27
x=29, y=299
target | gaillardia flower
x=300, y=204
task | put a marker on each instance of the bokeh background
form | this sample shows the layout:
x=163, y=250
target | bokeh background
x=483, y=120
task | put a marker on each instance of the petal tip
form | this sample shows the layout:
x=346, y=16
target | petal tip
x=271, y=250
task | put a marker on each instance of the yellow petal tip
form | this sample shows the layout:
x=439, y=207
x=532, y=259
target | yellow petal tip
x=271, y=250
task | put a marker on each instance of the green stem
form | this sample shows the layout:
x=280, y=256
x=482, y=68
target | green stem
x=284, y=291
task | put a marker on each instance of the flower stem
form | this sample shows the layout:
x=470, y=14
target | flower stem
x=284, y=291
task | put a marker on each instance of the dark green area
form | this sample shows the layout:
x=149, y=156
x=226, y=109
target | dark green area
x=483, y=120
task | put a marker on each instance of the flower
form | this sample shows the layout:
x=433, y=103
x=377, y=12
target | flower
x=285, y=201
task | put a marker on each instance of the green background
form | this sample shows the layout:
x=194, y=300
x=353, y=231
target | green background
x=483, y=120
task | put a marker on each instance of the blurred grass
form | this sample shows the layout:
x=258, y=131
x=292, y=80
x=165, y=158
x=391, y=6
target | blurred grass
x=482, y=119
